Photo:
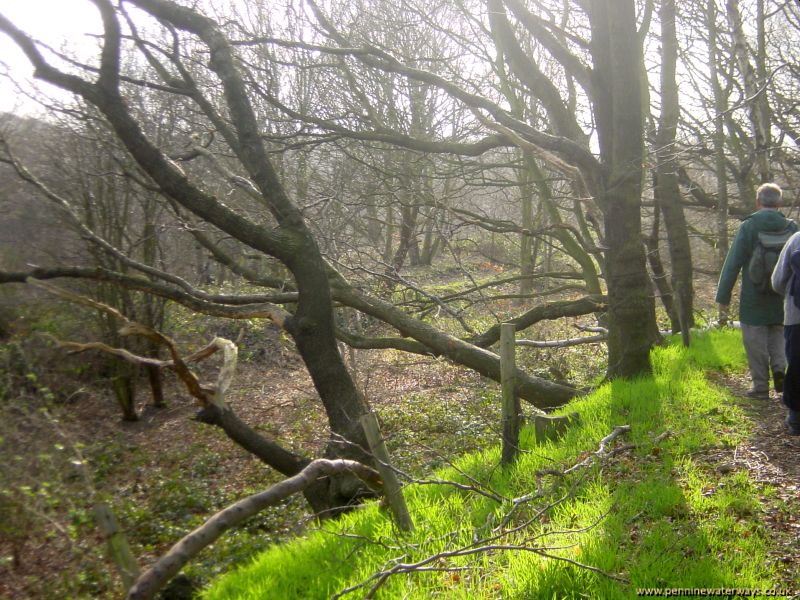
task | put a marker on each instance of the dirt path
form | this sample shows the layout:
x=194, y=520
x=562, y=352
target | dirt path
x=772, y=457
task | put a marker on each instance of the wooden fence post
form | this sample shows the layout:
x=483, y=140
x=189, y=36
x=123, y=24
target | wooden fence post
x=511, y=407
x=391, y=485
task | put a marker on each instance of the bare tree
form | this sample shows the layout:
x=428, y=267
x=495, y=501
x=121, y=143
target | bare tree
x=220, y=96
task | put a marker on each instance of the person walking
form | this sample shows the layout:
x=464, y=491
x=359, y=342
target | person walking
x=786, y=281
x=760, y=308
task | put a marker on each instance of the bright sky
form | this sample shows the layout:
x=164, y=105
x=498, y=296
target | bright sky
x=59, y=23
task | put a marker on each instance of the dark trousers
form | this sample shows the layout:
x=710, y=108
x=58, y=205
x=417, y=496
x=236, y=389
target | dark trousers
x=791, y=385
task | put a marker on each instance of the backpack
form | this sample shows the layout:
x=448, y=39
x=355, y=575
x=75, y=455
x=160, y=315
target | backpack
x=765, y=255
x=794, y=281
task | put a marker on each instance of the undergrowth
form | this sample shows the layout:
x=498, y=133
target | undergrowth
x=650, y=516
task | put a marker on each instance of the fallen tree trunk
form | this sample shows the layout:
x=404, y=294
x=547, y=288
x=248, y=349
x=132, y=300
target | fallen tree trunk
x=166, y=567
x=540, y=392
x=420, y=337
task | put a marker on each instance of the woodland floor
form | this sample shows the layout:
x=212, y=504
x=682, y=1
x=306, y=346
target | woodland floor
x=272, y=393
x=772, y=457
x=277, y=394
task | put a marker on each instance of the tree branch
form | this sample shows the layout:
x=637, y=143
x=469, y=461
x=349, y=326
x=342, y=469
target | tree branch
x=212, y=399
x=553, y=310
x=166, y=567
x=493, y=543
x=232, y=307
x=380, y=59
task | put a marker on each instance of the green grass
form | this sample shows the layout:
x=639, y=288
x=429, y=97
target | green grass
x=654, y=516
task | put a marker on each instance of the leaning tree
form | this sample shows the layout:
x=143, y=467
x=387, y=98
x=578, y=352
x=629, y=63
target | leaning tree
x=219, y=91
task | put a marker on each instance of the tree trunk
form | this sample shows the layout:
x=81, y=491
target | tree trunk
x=616, y=52
x=373, y=224
x=720, y=108
x=156, y=386
x=526, y=266
x=124, y=386
x=408, y=228
x=430, y=241
x=667, y=190
x=312, y=326
x=389, y=241
x=755, y=94
x=568, y=240
x=659, y=275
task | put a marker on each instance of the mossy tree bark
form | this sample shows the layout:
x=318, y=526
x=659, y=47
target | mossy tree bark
x=616, y=54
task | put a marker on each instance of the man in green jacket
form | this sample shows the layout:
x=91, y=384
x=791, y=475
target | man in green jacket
x=760, y=313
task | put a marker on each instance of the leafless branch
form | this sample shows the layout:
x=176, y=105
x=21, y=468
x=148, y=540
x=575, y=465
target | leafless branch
x=494, y=543
x=166, y=567
x=589, y=339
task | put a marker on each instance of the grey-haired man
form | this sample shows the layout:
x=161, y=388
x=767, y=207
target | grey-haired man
x=760, y=311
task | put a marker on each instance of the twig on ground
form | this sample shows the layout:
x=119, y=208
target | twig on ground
x=492, y=543
x=187, y=548
x=476, y=487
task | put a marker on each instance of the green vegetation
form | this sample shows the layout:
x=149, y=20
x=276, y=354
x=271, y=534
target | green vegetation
x=653, y=515
x=64, y=450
